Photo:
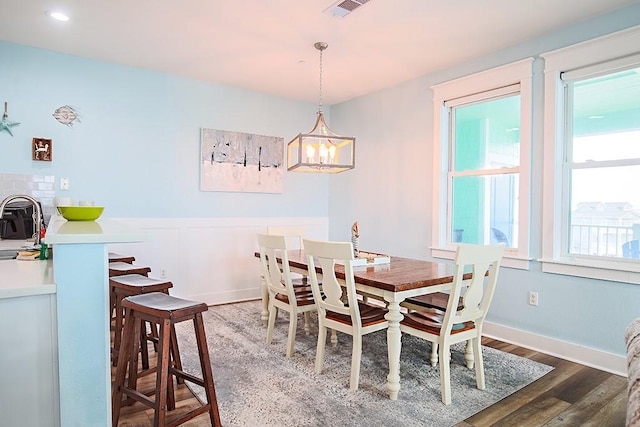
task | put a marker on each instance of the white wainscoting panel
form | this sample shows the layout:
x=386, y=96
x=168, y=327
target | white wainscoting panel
x=209, y=259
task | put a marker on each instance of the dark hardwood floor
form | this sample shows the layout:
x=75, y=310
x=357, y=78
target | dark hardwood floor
x=570, y=395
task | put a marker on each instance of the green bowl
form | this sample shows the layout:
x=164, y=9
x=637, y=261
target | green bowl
x=80, y=213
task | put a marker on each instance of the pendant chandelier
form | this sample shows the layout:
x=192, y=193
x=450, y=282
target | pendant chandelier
x=321, y=150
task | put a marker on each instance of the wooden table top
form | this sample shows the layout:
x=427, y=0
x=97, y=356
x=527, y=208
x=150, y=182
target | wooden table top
x=401, y=274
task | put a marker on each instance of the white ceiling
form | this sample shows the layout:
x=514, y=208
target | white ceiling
x=267, y=45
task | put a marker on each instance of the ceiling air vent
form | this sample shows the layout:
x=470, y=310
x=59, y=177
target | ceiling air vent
x=344, y=7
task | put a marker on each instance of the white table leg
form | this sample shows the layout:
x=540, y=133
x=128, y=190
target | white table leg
x=264, y=316
x=394, y=344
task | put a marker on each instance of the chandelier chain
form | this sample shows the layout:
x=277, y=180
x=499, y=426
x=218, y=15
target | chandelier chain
x=320, y=96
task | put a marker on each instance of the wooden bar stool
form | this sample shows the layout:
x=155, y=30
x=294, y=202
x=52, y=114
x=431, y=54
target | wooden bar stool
x=165, y=311
x=120, y=268
x=116, y=257
x=125, y=286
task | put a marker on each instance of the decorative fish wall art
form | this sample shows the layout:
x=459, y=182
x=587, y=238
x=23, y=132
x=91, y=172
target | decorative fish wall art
x=5, y=124
x=67, y=115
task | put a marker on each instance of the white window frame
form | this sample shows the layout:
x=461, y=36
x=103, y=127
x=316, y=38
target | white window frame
x=517, y=73
x=602, y=53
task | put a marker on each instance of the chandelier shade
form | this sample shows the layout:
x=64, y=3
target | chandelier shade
x=321, y=150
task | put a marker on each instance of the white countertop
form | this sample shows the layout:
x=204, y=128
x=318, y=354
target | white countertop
x=61, y=231
x=25, y=278
x=15, y=244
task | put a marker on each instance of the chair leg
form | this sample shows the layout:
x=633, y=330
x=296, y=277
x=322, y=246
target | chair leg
x=271, y=323
x=322, y=337
x=334, y=337
x=121, y=369
x=264, y=315
x=144, y=345
x=175, y=353
x=477, y=354
x=445, y=369
x=118, y=328
x=434, y=354
x=207, y=375
x=293, y=326
x=132, y=380
x=468, y=354
x=171, y=396
x=162, y=374
x=355, y=362
x=307, y=322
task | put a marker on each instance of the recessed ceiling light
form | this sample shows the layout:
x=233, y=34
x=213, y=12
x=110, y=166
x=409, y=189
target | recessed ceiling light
x=58, y=16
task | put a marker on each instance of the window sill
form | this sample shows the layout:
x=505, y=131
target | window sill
x=594, y=268
x=510, y=259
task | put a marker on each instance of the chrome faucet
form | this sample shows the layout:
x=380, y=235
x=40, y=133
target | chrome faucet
x=37, y=212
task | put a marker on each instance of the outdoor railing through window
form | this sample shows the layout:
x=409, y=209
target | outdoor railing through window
x=600, y=240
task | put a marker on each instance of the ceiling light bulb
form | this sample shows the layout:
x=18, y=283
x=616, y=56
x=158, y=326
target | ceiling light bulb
x=58, y=16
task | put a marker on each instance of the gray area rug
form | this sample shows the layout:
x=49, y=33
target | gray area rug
x=257, y=385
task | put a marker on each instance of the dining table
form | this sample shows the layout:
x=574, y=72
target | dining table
x=391, y=282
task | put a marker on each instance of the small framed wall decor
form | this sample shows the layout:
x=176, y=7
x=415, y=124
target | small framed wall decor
x=41, y=149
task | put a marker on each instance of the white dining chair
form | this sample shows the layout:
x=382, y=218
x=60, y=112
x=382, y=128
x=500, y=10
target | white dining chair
x=282, y=294
x=354, y=317
x=459, y=324
x=293, y=234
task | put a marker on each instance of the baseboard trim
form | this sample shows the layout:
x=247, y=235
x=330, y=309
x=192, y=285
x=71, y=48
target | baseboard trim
x=587, y=356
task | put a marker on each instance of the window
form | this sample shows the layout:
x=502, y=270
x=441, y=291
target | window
x=481, y=151
x=592, y=159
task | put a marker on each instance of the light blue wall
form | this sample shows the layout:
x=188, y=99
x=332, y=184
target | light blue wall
x=137, y=148
x=390, y=192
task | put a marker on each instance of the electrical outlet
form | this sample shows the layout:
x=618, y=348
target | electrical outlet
x=163, y=273
x=64, y=183
x=533, y=298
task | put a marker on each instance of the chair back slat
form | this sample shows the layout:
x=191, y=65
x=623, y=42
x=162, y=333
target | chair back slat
x=277, y=276
x=484, y=263
x=331, y=297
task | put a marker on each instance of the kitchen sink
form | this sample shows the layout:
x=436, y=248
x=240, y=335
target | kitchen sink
x=8, y=254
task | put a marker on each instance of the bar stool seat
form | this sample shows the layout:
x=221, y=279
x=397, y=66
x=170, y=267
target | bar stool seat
x=116, y=257
x=166, y=311
x=120, y=268
x=128, y=285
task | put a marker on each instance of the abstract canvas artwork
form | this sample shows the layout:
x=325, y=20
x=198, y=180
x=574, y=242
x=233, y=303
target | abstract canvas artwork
x=242, y=162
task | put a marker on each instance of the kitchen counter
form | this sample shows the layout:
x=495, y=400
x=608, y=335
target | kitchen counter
x=25, y=278
x=61, y=316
